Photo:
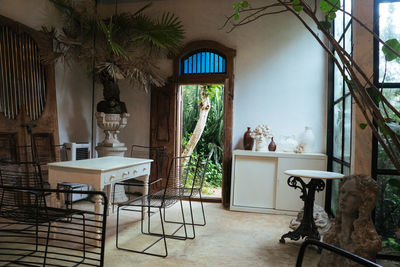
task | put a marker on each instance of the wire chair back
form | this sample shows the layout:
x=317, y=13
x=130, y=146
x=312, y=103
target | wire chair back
x=21, y=204
x=193, y=182
x=158, y=154
x=179, y=170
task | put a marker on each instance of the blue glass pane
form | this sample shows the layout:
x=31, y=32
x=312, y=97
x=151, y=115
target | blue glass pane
x=204, y=62
x=198, y=62
x=212, y=62
x=185, y=66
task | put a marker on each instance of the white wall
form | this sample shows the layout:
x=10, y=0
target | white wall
x=73, y=85
x=279, y=70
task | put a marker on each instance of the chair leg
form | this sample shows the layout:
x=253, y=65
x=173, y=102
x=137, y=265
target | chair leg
x=202, y=210
x=192, y=222
x=84, y=237
x=47, y=244
x=163, y=232
x=161, y=236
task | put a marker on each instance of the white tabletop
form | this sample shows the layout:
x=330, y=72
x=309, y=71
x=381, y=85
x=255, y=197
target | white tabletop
x=314, y=174
x=100, y=164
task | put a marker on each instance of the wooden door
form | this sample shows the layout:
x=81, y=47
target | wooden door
x=28, y=108
x=163, y=126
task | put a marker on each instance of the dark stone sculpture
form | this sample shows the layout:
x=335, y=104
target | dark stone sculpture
x=111, y=103
x=353, y=229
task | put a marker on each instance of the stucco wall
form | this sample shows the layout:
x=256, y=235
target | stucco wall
x=280, y=74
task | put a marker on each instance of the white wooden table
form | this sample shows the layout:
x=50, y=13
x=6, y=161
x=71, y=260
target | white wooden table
x=101, y=173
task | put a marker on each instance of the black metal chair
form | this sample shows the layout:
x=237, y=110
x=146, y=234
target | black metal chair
x=170, y=194
x=27, y=223
x=160, y=160
x=336, y=250
x=192, y=185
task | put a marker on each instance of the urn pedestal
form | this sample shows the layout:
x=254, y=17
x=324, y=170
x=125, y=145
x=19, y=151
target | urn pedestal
x=111, y=124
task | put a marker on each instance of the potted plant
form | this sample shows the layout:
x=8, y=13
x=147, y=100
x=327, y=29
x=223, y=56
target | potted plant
x=121, y=46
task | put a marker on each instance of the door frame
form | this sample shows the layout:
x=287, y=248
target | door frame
x=219, y=78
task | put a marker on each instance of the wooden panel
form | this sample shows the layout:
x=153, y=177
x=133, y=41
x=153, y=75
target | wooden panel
x=39, y=90
x=8, y=150
x=254, y=182
x=287, y=198
x=163, y=125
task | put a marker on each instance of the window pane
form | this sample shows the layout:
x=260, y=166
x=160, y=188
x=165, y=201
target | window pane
x=337, y=130
x=387, y=215
x=337, y=83
x=347, y=40
x=336, y=167
x=347, y=129
x=389, y=28
x=346, y=170
x=393, y=95
x=339, y=23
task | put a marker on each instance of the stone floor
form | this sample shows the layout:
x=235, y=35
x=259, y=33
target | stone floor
x=228, y=239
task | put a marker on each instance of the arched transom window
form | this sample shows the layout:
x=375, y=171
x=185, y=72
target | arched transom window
x=203, y=61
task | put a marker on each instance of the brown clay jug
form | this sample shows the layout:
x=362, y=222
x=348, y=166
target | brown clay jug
x=248, y=141
x=272, y=145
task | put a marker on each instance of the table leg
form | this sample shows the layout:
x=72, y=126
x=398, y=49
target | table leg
x=54, y=204
x=307, y=227
x=97, y=210
x=145, y=191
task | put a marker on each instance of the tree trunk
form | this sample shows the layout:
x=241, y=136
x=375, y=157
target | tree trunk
x=201, y=122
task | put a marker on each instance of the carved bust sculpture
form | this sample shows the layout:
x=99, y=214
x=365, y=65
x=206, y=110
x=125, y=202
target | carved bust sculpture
x=111, y=103
x=353, y=229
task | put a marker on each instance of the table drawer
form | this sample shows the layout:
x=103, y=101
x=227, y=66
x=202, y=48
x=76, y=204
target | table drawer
x=123, y=174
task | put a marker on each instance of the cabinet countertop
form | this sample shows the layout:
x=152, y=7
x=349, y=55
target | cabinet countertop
x=280, y=154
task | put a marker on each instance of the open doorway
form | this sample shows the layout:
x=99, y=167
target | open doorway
x=202, y=129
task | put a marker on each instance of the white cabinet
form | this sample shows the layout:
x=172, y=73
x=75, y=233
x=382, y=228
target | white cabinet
x=259, y=184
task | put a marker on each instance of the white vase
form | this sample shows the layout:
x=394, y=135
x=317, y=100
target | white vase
x=261, y=145
x=307, y=140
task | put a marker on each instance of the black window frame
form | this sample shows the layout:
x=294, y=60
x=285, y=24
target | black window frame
x=331, y=105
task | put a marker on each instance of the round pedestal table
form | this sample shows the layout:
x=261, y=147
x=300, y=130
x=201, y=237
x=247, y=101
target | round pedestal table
x=307, y=227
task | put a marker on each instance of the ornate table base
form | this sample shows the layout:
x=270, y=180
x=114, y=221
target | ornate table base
x=307, y=228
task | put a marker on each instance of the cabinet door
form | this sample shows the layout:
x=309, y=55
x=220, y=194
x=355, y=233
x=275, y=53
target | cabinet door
x=254, y=182
x=287, y=198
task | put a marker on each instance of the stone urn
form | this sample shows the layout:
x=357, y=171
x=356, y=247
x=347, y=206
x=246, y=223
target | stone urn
x=111, y=124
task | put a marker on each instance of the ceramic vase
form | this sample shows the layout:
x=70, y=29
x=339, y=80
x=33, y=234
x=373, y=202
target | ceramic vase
x=272, y=145
x=261, y=145
x=248, y=141
x=307, y=139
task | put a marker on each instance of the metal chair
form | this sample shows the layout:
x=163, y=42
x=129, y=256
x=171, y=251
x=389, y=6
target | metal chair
x=192, y=185
x=26, y=222
x=170, y=194
x=336, y=250
x=160, y=160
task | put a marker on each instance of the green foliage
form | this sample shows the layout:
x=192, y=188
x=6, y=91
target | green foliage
x=395, y=182
x=297, y=5
x=237, y=7
x=210, y=142
x=393, y=243
x=213, y=176
x=363, y=125
x=387, y=215
x=126, y=43
x=329, y=6
x=395, y=45
x=211, y=139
